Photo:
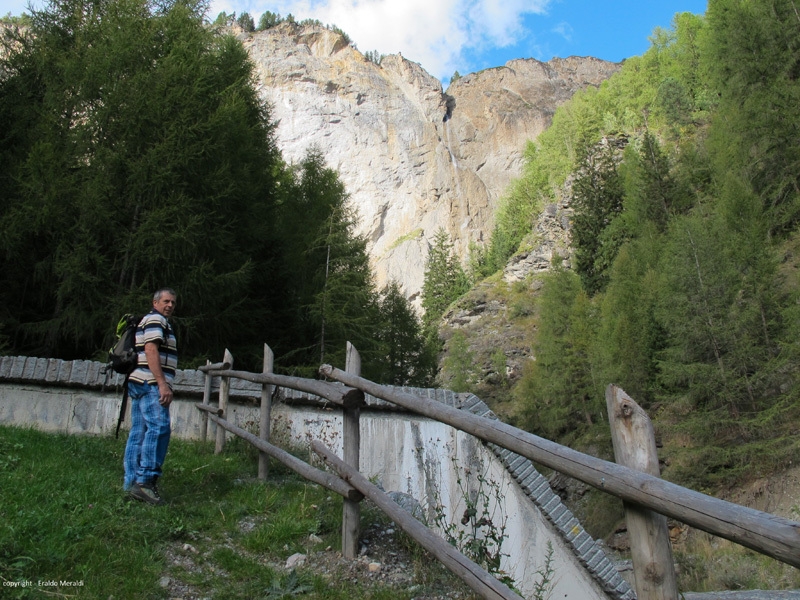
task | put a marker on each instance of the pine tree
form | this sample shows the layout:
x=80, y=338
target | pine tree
x=597, y=201
x=558, y=391
x=330, y=291
x=404, y=352
x=245, y=21
x=752, y=53
x=268, y=20
x=137, y=154
x=458, y=367
x=445, y=280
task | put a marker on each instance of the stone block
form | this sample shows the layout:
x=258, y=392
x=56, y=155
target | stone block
x=17, y=367
x=53, y=366
x=40, y=369
x=29, y=369
x=79, y=372
x=65, y=372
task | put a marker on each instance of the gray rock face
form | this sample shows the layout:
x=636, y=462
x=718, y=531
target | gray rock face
x=413, y=157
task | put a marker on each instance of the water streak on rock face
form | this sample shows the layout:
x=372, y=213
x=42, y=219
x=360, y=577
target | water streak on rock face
x=413, y=157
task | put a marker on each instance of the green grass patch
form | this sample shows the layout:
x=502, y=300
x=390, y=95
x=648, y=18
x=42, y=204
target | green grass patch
x=68, y=530
x=412, y=235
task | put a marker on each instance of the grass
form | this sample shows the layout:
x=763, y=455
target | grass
x=706, y=563
x=67, y=530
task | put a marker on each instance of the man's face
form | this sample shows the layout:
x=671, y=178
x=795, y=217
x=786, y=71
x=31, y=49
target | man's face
x=165, y=304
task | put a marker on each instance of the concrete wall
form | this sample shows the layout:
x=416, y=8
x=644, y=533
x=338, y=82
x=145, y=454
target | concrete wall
x=432, y=462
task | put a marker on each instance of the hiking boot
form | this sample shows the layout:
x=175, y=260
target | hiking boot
x=146, y=492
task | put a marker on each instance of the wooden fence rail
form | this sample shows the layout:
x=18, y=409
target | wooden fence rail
x=323, y=478
x=353, y=487
x=768, y=534
x=478, y=579
x=648, y=498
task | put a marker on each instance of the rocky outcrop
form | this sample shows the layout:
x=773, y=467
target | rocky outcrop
x=413, y=157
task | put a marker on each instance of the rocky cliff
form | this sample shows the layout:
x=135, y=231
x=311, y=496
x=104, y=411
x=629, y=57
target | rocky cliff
x=412, y=156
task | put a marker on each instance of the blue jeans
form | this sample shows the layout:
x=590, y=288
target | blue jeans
x=149, y=436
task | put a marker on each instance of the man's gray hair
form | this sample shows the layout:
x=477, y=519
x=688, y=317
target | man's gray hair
x=161, y=291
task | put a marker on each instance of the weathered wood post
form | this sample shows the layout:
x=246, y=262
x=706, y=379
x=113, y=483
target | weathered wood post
x=206, y=402
x=224, y=392
x=266, y=413
x=351, y=442
x=635, y=447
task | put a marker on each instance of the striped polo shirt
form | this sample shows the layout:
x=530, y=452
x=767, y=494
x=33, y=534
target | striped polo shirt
x=154, y=327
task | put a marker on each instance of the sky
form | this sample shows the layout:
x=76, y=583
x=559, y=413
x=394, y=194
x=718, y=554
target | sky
x=446, y=36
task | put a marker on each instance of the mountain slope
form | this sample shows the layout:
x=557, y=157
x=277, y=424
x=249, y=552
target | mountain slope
x=414, y=158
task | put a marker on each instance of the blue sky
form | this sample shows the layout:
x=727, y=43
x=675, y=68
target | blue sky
x=445, y=36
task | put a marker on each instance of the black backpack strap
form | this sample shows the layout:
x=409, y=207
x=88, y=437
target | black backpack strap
x=123, y=406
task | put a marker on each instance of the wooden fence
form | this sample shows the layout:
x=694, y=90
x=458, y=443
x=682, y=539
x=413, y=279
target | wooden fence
x=648, y=499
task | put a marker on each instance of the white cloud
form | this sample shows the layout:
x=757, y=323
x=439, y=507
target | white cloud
x=433, y=33
x=565, y=30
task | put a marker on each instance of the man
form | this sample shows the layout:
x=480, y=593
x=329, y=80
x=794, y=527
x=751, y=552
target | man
x=150, y=392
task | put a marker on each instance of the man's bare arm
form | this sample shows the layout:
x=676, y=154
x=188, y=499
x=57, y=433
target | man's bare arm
x=154, y=364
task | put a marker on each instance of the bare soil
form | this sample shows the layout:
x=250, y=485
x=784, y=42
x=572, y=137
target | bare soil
x=387, y=560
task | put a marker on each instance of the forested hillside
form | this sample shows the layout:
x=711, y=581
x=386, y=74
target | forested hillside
x=681, y=285
x=136, y=153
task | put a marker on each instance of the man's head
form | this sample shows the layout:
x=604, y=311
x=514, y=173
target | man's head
x=164, y=301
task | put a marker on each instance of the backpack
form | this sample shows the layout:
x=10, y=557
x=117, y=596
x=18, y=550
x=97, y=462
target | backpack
x=123, y=358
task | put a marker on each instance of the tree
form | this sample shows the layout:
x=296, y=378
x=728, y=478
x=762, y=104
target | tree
x=652, y=192
x=720, y=309
x=557, y=392
x=373, y=56
x=330, y=292
x=136, y=153
x=245, y=21
x=224, y=19
x=597, y=201
x=444, y=282
x=458, y=367
x=752, y=56
x=345, y=305
x=268, y=20
x=629, y=336
x=404, y=352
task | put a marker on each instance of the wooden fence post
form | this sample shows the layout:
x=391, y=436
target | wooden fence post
x=266, y=414
x=206, y=401
x=224, y=391
x=635, y=447
x=351, y=441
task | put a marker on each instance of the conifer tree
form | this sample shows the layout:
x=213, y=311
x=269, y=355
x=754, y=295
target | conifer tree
x=558, y=392
x=445, y=280
x=404, y=352
x=330, y=288
x=136, y=153
x=458, y=367
x=597, y=201
x=752, y=53
x=245, y=21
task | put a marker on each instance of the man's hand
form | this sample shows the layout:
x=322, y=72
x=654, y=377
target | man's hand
x=166, y=394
